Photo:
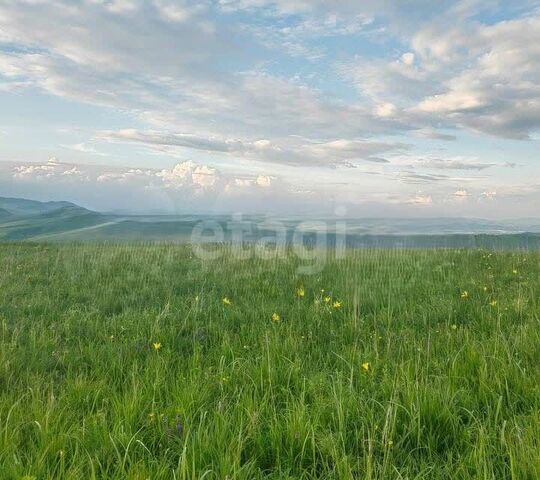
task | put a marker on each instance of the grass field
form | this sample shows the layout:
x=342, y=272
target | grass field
x=143, y=362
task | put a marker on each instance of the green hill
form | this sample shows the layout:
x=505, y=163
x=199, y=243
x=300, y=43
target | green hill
x=22, y=219
x=22, y=206
x=29, y=220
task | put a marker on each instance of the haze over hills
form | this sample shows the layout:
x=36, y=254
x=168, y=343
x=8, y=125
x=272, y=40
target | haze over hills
x=32, y=220
x=22, y=206
x=29, y=220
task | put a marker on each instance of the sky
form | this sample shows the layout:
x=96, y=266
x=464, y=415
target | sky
x=363, y=108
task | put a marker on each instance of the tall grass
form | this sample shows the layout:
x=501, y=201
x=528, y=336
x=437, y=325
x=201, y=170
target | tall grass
x=123, y=362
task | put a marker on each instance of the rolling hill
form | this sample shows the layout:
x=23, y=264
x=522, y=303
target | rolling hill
x=22, y=219
x=22, y=206
x=28, y=220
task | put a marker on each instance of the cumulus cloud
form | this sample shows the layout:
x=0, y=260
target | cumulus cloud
x=52, y=170
x=186, y=187
x=198, y=177
x=187, y=177
x=421, y=199
x=264, y=181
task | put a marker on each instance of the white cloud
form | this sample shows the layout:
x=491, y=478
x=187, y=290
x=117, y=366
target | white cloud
x=197, y=188
x=122, y=6
x=462, y=75
x=421, y=199
x=187, y=176
x=52, y=170
x=264, y=181
x=292, y=151
x=257, y=85
x=386, y=109
x=433, y=134
x=469, y=76
x=178, y=10
x=190, y=174
x=451, y=103
x=135, y=64
x=489, y=195
x=344, y=150
x=34, y=171
x=84, y=148
x=185, y=187
x=408, y=58
x=400, y=12
x=302, y=37
x=457, y=163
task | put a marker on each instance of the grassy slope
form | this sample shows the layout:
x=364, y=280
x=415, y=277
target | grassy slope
x=452, y=389
x=51, y=223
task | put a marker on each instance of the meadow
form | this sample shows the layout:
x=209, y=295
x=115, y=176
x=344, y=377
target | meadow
x=146, y=362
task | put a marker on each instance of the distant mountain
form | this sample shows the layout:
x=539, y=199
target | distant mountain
x=22, y=220
x=22, y=206
x=32, y=220
x=440, y=226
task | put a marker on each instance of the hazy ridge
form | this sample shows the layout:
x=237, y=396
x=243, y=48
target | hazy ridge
x=28, y=220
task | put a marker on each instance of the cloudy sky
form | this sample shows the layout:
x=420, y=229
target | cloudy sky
x=376, y=107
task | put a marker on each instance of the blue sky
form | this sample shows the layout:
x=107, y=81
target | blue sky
x=289, y=106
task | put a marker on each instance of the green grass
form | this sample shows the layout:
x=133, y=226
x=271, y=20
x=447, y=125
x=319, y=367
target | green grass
x=452, y=390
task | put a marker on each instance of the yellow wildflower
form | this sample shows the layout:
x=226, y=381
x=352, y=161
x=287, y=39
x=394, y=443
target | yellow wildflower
x=327, y=299
x=337, y=305
x=157, y=346
x=465, y=294
x=514, y=271
x=366, y=366
x=493, y=303
x=301, y=292
x=276, y=318
x=226, y=301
